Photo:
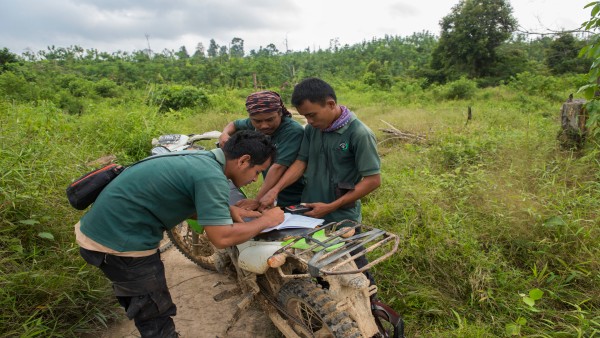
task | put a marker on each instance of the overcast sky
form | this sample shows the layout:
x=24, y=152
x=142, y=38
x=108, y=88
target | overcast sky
x=129, y=25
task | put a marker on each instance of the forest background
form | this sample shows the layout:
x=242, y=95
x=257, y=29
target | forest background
x=498, y=219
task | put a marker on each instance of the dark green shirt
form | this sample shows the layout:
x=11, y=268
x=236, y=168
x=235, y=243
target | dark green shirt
x=150, y=197
x=345, y=155
x=287, y=139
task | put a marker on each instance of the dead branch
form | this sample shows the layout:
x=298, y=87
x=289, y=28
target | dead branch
x=401, y=135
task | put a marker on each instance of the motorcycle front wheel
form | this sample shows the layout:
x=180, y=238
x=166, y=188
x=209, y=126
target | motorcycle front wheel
x=193, y=245
x=314, y=312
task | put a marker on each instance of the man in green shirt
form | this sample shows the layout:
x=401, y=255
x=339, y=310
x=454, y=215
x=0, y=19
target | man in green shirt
x=268, y=115
x=121, y=232
x=338, y=158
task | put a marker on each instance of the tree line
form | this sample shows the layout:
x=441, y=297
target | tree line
x=478, y=40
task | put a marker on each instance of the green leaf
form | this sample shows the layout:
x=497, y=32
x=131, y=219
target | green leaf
x=512, y=329
x=589, y=93
x=521, y=321
x=529, y=301
x=29, y=222
x=595, y=10
x=46, y=235
x=536, y=294
x=554, y=221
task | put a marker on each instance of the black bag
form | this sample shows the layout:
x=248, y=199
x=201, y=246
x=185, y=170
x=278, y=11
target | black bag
x=86, y=189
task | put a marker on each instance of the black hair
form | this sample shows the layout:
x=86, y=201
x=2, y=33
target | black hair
x=250, y=142
x=314, y=90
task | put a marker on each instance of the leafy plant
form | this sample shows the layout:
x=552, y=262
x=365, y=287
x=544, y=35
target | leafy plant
x=592, y=88
x=176, y=97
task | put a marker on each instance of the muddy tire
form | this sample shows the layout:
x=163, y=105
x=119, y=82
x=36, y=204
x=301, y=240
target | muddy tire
x=317, y=310
x=196, y=247
x=165, y=244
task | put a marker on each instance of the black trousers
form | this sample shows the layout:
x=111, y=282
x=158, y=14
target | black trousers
x=141, y=288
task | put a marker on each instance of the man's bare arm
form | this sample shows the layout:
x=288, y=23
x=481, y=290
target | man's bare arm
x=226, y=134
x=292, y=174
x=223, y=236
x=273, y=176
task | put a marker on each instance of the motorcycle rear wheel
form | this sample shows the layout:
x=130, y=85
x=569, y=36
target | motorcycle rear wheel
x=195, y=246
x=316, y=309
x=165, y=244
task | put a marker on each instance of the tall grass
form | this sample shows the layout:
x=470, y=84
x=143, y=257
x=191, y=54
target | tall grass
x=491, y=212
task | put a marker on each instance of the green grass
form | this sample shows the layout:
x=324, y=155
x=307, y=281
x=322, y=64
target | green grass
x=487, y=210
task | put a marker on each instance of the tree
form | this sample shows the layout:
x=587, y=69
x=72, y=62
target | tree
x=182, y=54
x=223, y=51
x=237, y=48
x=470, y=35
x=561, y=56
x=213, y=49
x=199, y=53
x=6, y=57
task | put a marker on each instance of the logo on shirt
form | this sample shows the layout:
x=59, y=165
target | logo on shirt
x=343, y=146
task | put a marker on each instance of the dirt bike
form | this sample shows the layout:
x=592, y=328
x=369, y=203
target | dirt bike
x=305, y=280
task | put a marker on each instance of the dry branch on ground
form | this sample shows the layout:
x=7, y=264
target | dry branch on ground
x=402, y=135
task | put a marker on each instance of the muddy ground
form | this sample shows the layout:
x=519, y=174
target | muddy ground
x=198, y=313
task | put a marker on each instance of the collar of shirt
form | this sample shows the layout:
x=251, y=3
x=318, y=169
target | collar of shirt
x=219, y=156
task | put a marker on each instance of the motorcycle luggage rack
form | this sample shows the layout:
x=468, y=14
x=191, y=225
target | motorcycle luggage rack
x=329, y=255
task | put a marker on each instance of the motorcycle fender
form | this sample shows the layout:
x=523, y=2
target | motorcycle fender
x=253, y=255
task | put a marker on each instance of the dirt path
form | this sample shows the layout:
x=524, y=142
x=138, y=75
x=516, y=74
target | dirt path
x=198, y=314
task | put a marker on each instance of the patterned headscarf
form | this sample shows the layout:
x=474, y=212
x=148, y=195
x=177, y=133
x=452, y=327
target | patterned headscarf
x=265, y=102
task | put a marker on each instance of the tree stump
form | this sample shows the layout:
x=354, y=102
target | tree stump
x=573, y=117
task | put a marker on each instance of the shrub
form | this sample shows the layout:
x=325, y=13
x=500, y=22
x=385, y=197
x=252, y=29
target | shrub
x=176, y=97
x=15, y=87
x=460, y=89
x=106, y=88
x=70, y=104
x=76, y=86
x=537, y=85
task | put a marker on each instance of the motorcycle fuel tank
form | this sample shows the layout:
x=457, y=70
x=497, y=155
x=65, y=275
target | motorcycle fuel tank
x=253, y=255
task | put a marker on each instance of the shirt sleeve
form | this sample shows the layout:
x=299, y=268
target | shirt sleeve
x=243, y=124
x=305, y=145
x=212, y=201
x=289, y=145
x=367, y=159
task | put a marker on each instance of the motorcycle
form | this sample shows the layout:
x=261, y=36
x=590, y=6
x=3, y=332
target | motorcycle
x=305, y=279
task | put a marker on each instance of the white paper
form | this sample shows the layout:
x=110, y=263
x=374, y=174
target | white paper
x=296, y=221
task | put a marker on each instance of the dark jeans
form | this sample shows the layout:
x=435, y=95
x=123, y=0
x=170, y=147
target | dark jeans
x=141, y=288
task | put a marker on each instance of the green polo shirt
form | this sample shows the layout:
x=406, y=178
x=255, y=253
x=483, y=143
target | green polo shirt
x=345, y=155
x=287, y=139
x=150, y=197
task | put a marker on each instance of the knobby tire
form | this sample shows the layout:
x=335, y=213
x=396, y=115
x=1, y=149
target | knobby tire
x=317, y=310
x=196, y=247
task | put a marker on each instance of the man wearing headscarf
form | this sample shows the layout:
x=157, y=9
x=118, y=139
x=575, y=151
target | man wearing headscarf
x=268, y=115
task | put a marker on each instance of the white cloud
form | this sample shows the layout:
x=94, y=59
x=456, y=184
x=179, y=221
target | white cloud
x=111, y=25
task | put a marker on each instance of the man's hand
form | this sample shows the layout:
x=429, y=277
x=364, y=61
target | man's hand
x=238, y=214
x=272, y=217
x=248, y=204
x=319, y=210
x=223, y=138
x=268, y=200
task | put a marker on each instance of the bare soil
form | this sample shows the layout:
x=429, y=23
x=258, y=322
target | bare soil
x=206, y=302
